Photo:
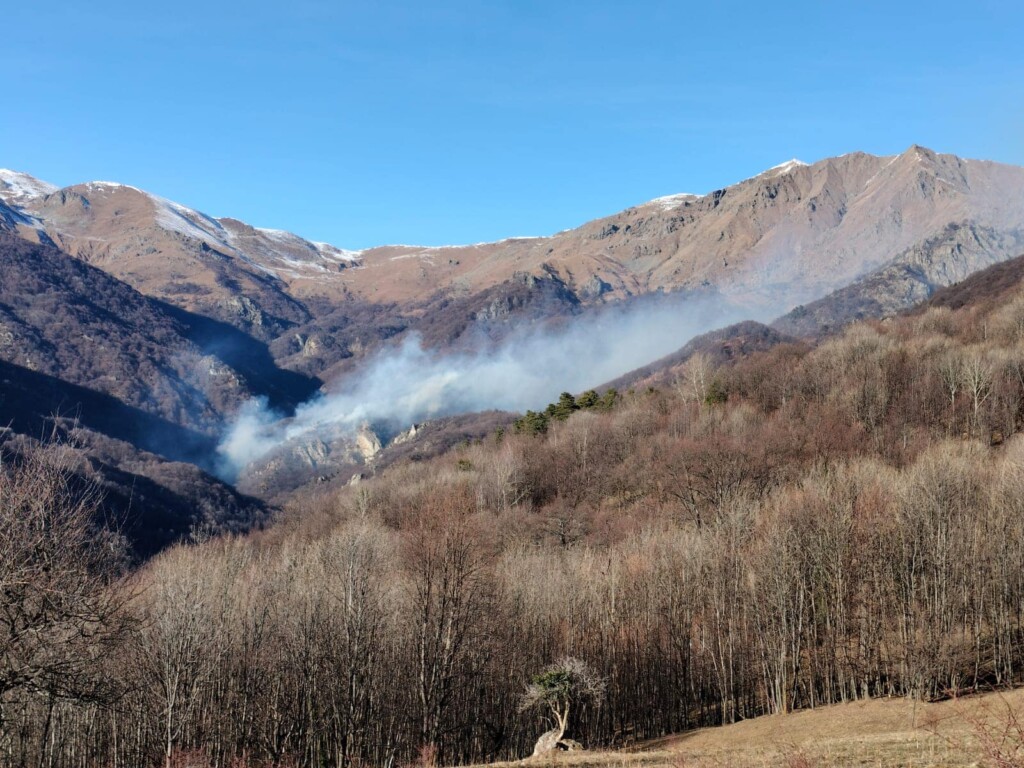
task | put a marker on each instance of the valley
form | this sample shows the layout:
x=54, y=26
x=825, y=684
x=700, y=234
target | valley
x=256, y=315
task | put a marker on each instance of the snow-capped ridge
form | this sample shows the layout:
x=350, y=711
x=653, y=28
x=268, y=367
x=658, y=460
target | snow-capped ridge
x=668, y=202
x=186, y=221
x=325, y=250
x=273, y=251
x=110, y=185
x=17, y=187
x=333, y=252
x=172, y=216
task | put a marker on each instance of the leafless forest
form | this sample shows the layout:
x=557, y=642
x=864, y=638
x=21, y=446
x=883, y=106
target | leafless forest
x=805, y=526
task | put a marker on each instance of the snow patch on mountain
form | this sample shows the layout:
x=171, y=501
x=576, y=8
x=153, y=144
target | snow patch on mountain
x=17, y=188
x=277, y=234
x=186, y=221
x=324, y=250
x=786, y=167
x=668, y=202
x=329, y=251
x=275, y=252
x=420, y=249
x=776, y=170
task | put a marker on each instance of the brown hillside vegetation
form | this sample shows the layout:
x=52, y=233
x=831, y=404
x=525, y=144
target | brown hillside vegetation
x=803, y=527
x=721, y=347
x=989, y=285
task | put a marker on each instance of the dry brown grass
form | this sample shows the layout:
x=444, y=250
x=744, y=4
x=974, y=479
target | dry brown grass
x=881, y=732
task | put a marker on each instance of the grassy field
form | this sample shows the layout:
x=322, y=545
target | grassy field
x=968, y=731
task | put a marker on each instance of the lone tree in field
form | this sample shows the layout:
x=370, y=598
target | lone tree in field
x=567, y=682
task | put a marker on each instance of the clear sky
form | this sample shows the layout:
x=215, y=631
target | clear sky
x=438, y=121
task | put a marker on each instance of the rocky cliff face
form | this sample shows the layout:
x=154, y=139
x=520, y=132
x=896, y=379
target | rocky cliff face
x=912, y=277
x=312, y=457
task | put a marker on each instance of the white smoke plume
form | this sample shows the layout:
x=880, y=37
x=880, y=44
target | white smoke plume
x=407, y=384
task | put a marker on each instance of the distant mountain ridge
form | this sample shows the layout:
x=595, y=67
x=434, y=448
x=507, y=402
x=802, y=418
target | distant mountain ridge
x=789, y=235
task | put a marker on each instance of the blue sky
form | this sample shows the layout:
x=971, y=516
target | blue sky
x=445, y=122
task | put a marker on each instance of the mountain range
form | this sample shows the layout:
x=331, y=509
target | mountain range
x=142, y=325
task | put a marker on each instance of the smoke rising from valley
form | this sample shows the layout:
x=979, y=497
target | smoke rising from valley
x=407, y=384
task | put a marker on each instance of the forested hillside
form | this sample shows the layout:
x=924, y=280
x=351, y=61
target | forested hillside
x=802, y=526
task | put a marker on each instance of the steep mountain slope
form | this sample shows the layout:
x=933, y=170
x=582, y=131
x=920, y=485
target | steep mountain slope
x=151, y=500
x=62, y=318
x=994, y=288
x=167, y=252
x=143, y=387
x=316, y=464
x=65, y=319
x=16, y=191
x=721, y=347
x=908, y=279
x=873, y=297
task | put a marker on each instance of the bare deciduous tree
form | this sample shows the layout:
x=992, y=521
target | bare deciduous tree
x=61, y=616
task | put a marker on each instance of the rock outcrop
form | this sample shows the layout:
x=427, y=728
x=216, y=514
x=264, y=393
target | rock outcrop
x=367, y=442
x=548, y=742
x=552, y=741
